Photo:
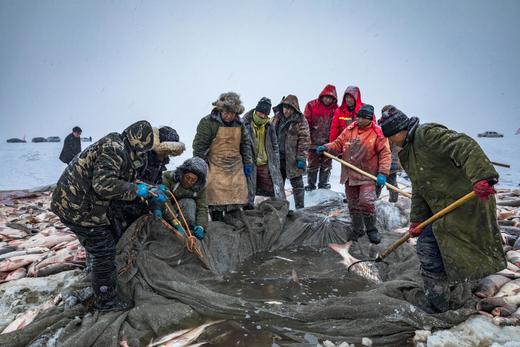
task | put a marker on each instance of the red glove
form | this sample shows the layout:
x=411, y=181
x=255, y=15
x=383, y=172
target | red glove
x=413, y=230
x=483, y=189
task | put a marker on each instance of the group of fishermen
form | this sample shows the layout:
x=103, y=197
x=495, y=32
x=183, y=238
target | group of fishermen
x=123, y=176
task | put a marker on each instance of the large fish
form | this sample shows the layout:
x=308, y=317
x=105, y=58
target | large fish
x=182, y=338
x=14, y=263
x=367, y=270
x=50, y=241
x=490, y=285
x=15, y=275
x=509, y=289
x=27, y=317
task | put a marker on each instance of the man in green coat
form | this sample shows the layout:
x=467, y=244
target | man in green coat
x=443, y=166
x=188, y=184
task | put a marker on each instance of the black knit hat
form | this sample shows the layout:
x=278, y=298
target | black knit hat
x=264, y=106
x=76, y=129
x=393, y=121
x=168, y=134
x=366, y=111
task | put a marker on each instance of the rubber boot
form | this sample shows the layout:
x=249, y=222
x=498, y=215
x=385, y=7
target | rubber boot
x=217, y=216
x=357, y=225
x=311, y=180
x=437, y=292
x=370, y=226
x=299, y=197
x=108, y=298
x=324, y=179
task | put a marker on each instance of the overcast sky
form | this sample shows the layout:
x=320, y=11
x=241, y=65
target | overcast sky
x=105, y=64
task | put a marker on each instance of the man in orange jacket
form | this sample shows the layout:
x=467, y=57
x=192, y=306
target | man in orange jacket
x=362, y=144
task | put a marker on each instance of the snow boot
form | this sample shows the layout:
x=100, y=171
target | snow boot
x=108, y=298
x=436, y=291
x=357, y=225
x=370, y=226
x=324, y=179
x=311, y=180
x=217, y=216
x=299, y=197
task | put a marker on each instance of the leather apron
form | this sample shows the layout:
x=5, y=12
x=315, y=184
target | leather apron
x=226, y=180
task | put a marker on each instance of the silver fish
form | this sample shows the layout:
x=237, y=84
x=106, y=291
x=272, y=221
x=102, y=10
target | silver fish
x=366, y=270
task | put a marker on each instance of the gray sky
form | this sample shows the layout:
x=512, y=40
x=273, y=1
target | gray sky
x=104, y=64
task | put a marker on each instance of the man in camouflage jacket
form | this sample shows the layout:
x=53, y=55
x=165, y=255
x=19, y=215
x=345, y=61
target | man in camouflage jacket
x=102, y=173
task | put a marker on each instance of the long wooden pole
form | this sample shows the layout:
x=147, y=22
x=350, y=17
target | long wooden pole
x=430, y=220
x=374, y=178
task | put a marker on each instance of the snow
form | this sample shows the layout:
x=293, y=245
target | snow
x=476, y=331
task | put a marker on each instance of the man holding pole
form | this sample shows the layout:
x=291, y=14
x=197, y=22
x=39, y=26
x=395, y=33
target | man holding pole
x=363, y=145
x=443, y=166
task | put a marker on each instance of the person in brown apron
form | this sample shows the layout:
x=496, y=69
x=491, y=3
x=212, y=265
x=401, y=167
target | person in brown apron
x=221, y=141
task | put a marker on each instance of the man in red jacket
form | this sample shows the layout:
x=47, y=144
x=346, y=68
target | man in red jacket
x=363, y=145
x=346, y=113
x=319, y=113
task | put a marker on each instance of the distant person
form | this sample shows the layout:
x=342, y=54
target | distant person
x=293, y=135
x=319, y=113
x=71, y=145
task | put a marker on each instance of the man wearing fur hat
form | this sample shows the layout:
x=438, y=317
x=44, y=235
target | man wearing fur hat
x=293, y=135
x=222, y=142
x=363, y=145
x=443, y=166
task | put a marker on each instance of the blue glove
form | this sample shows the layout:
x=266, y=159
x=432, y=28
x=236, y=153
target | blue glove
x=199, y=232
x=248, y=170
x=381, y=180
x=157, y=213
x=142, y=190
x=320, y=150
x=160, y=198
x=300, y=164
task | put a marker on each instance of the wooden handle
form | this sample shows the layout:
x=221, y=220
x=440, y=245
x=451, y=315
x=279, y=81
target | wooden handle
x=430, y=220
x=374, y=178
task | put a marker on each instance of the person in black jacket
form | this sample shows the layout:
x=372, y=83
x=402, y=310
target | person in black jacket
x=71, y=145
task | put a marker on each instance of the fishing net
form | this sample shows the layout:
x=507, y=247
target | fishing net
x=268, y=273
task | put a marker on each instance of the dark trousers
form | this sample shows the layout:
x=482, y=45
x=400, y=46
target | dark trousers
x=100, y=244
x=392, y=179
x=264, y=182
x=428, y=252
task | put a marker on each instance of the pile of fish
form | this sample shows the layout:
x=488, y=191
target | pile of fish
x=33, y=241
x=499, y=294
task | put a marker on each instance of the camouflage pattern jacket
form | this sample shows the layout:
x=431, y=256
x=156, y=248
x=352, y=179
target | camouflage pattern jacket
x=103, y=172
x=443, y=165
x=297, y=136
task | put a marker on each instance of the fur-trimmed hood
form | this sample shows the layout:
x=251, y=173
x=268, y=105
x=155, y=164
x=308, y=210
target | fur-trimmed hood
x=196, y=165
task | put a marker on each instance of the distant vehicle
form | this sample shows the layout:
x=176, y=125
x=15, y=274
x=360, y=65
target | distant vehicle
x=53, y=139
x=490, y=134
x=86, y=139
x=38, y=139
x=15, y=140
